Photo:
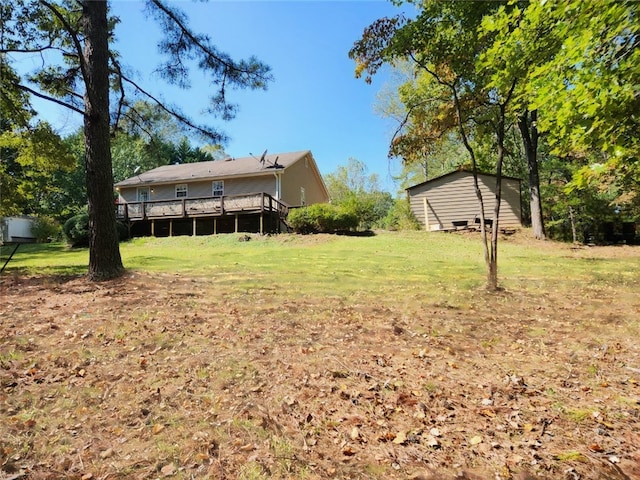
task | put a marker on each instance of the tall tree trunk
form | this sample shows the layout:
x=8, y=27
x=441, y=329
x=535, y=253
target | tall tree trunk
x=572, y=219
x=105, y=261
x=500, y=134
x=529, y=132
x=476, y=185
x=492, y=281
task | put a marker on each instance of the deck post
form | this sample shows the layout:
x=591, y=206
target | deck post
x=236, y=215
x=171, y=228
x=194, y=226
x=261, y=223
x=215, y=225
x=153, y=228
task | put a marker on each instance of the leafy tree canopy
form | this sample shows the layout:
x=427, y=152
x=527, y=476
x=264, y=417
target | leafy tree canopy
x=357, y=192
x=581, y=67
x=30, y=157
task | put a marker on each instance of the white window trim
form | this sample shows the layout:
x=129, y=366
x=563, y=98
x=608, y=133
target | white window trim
x=139, y=190
x=214, y=189
x=182, y=187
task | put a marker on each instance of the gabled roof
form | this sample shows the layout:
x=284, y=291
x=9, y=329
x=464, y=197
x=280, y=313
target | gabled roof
x=458, y=171
x=218, y=169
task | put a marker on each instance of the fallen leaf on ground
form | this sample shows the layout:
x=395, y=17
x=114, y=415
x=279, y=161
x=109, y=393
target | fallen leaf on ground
x=106, y=453
x=168, y=470
x=401, y=437
x=157, y=428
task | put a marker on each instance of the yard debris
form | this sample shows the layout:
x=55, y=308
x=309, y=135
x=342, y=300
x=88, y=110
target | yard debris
x=174, y=380
x=168, y=470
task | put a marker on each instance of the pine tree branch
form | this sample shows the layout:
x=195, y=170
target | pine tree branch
x=214, y=136
x=48, y=98
x=72, y=33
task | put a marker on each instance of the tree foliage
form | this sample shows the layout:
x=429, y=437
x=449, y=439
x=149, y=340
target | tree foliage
x=400, y=217
x=578, y=62
x=31, y=157
x=355, y=191
x=15, y=108
x=444, y=41
x=565, y=70
x=590, y=83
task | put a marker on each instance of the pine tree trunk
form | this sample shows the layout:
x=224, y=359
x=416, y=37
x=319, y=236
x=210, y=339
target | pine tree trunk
x=529, y=133
x=105, y=261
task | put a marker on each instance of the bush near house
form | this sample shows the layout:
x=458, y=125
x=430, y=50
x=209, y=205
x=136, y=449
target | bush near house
x=46, y=229
x=400, y=217
x=76, y=230
x=322, y=218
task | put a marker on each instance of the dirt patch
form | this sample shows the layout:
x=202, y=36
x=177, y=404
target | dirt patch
x=166, y=376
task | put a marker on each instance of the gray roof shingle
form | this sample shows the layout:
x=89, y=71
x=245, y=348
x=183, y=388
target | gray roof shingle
x=239, y=167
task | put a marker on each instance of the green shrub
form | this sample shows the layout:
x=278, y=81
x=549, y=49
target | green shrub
x=369, y=208
x=321, y=218
x=345, y=221
x=46, y=229
x=76, y=230
x=300, y=220
x=400, y=217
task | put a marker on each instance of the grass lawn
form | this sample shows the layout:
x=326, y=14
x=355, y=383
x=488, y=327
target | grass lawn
x=322, y=357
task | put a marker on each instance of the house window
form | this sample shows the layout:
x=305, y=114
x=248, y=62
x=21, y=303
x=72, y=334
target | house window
x=143, y=194
x=217, y=188
x=303, y=196
x=182, y=190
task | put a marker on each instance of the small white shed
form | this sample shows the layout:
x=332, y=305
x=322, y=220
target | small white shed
x=450, y=200
x=17, y=230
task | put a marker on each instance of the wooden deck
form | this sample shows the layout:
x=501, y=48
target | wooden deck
x=201, y=207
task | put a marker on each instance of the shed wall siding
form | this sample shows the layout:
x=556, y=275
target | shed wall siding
x=453, y=198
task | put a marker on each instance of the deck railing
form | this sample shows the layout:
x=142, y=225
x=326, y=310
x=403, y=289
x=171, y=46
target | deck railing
x=201, y=207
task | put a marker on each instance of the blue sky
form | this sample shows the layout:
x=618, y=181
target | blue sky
x=315, y=102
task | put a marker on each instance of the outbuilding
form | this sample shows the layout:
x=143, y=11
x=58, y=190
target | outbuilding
x=450, y=201
x=17, y=230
